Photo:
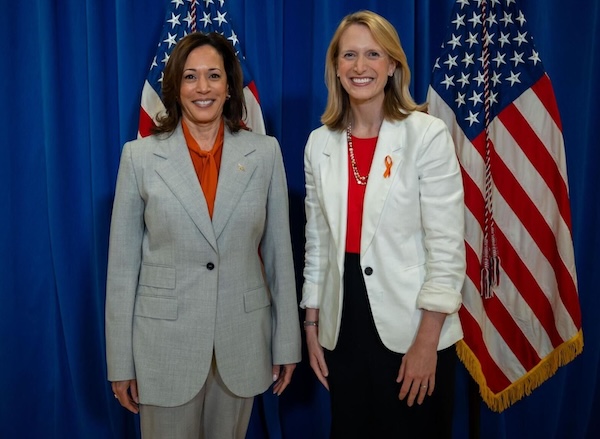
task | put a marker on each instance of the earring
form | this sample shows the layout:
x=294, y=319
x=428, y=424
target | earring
x=228, y=96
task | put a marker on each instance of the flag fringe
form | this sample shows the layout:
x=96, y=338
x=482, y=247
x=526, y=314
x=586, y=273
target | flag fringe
x=498, y=402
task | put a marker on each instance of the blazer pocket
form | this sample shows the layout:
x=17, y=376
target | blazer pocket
x=412, y=266
x=256, y=299
x=164, y=308
x=158, y=276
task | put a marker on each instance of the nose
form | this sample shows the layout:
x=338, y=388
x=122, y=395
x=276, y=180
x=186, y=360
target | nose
x=359, y=64
x=202, y=85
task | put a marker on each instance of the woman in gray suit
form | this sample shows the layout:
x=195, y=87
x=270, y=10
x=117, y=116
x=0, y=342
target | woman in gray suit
x=385, y=256
x=201, y=311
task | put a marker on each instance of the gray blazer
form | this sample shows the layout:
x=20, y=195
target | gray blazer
x=180, y=285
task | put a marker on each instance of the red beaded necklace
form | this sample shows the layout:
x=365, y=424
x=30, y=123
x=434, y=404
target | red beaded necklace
x=360, y=179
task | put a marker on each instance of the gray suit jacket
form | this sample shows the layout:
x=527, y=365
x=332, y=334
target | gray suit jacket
x=180, y=285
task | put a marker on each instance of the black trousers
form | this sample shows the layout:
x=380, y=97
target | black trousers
x=362, y=378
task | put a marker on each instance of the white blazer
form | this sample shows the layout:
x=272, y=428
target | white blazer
x=412, y=240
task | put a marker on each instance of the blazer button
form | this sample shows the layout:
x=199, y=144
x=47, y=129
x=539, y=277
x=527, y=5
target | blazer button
x=210, y=266
x=368, y=271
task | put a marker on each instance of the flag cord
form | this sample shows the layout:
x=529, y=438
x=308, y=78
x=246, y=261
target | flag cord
x=490, y=260
x=193, y=16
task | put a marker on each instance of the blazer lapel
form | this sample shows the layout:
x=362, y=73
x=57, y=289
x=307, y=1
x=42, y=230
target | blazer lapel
x=177, y=171
x=237, y=167
x=389, y=143
x=334, y=184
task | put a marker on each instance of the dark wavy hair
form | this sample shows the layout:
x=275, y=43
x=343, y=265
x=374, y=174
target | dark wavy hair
x=234, y=109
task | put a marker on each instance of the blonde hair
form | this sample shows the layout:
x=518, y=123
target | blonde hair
x=398, y=102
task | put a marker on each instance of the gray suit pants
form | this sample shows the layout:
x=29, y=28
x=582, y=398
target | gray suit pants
x=214, y=413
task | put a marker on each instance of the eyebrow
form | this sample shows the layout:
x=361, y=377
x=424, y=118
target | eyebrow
x=210, y=69
x=368, y=49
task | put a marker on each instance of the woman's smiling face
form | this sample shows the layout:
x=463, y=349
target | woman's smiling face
x=204, y=89
x=362, y=65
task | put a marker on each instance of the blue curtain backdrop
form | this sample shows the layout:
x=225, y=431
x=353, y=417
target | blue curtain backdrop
x=71, y=83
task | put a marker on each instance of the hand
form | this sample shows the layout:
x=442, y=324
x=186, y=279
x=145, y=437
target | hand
x=315, y=355
x=127, y=394
x=417, y=373
x=282, y=375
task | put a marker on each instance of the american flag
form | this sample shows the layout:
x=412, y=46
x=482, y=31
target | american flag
x=182, y=18
x=520, y=313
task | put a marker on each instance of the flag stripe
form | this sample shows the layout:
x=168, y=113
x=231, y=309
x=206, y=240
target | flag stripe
x=521, y=277
x=528, y=216
x=495, y=377
x=473, y=271
x=545, y=92
x=537, y=265
x=557, y=225
x=473, y=335
x=474, y=200
x=535, y=224
x=511, y=333
x=531, y=106
x=537, y=153
x=254, y=90
x=531, y=179
x=510, y=298
x=145, y=124
x=524, y=317
x=254, y=118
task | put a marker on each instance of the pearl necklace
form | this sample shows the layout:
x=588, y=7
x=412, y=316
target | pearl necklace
x=361, y=180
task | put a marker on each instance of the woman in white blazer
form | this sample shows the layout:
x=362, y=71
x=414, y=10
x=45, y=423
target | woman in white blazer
x=384, y=256
x=201, y=310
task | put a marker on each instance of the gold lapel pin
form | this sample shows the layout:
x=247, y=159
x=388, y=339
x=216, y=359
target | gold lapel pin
x=241, y=167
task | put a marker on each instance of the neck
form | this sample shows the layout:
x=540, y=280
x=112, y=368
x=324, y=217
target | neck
x=204, y=134
x=366, y=128
x=366, y=121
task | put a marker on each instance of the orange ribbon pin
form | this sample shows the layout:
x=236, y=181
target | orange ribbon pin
x=388, y=166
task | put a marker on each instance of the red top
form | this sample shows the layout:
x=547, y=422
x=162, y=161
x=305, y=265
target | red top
x=364, y=149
